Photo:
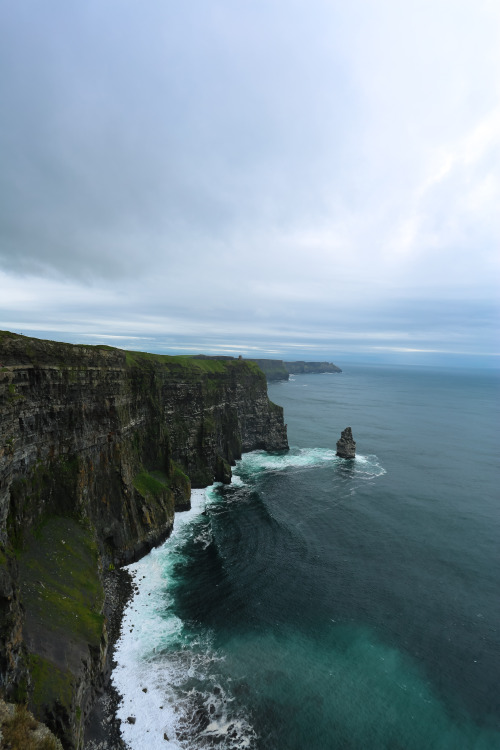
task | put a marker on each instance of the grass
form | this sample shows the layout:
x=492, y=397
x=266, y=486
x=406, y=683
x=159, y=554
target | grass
x=29, y=495
x=51, y=684
x=8, y=335
x=18, y=733
x=177, y=474
x=254, y=367
x=62, y=597
x=61, y=588
x=147, y=484
x=154, y=483
x=12, y=393
x=71, y=356
x=182, y=362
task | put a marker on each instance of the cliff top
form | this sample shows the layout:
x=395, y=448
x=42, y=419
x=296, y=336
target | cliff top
x=16, y=349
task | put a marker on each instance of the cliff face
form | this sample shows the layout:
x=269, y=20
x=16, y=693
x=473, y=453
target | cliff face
x=273, y=369
x=276, y=369
x=310, y=367
x=98, y=448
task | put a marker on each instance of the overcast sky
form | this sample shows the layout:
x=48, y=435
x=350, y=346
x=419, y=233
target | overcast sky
x=306, y=178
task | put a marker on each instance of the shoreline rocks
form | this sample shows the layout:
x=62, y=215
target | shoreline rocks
x=102, y=731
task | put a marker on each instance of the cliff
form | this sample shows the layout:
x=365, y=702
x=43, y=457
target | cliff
x=277, y=369
x=273, y=369
x=98, y=448
x=310, y=367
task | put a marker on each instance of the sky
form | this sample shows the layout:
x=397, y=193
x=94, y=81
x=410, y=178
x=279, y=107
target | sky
x=295, y=179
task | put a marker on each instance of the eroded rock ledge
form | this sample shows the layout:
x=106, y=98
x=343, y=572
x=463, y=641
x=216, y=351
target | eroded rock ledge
x=98, y=448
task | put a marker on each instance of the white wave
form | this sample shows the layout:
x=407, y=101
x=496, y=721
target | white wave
x=156, y=657
x=170, y=680
x=237, y=481
x=305, y=458
x=145, y=632
x=204, y=537
x=369, y=466
x=295, y=458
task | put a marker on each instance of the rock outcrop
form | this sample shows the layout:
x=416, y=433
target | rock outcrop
x=98, y=449
x=346, y=446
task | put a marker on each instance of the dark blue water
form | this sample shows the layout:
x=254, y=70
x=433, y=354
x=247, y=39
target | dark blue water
x=352, y=605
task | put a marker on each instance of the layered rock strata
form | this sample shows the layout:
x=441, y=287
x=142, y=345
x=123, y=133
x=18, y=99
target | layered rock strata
x=98, y=448
x=346, y=446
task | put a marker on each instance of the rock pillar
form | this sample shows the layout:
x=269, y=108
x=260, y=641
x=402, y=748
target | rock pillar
x=346, y=446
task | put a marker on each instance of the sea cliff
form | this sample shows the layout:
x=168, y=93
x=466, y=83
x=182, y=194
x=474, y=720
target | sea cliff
x=295, y=368
x=98, y=449
x=277, y=369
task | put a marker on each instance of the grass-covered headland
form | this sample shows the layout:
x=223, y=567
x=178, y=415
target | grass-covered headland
x=99, y=448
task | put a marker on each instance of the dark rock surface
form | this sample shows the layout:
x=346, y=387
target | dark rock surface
x=102, y=730
x=102, y=445
x=346, y=446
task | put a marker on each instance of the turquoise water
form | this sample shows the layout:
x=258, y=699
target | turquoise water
x=321, y=603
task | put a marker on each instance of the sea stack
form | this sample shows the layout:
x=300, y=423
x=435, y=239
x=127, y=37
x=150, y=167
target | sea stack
x=346, y=446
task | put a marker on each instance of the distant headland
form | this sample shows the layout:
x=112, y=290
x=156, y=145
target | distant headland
x=277, y=369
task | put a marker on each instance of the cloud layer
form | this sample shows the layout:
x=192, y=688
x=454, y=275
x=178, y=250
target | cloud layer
x=260, y=174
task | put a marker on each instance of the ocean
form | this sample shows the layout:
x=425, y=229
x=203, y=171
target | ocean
x=318, y=603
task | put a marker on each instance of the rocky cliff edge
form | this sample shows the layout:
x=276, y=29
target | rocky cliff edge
x=98, y=449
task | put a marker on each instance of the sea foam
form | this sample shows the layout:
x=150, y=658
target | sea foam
x=141, y=676
x=173, y=691
x=304, y=458
x=168, y=679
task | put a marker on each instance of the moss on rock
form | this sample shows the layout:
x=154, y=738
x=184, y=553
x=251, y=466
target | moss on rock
x=100, y=440
x=62, y=597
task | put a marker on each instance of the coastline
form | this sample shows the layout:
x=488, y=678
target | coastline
x=102, y=731
x=123, y=586
x=80, y=425
x=148, y=708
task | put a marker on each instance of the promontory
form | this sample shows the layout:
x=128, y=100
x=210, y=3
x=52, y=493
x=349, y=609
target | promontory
x=99, y=447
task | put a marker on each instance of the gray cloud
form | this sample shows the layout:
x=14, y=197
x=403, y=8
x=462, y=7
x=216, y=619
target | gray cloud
x=296, y=171
x=163, y=125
